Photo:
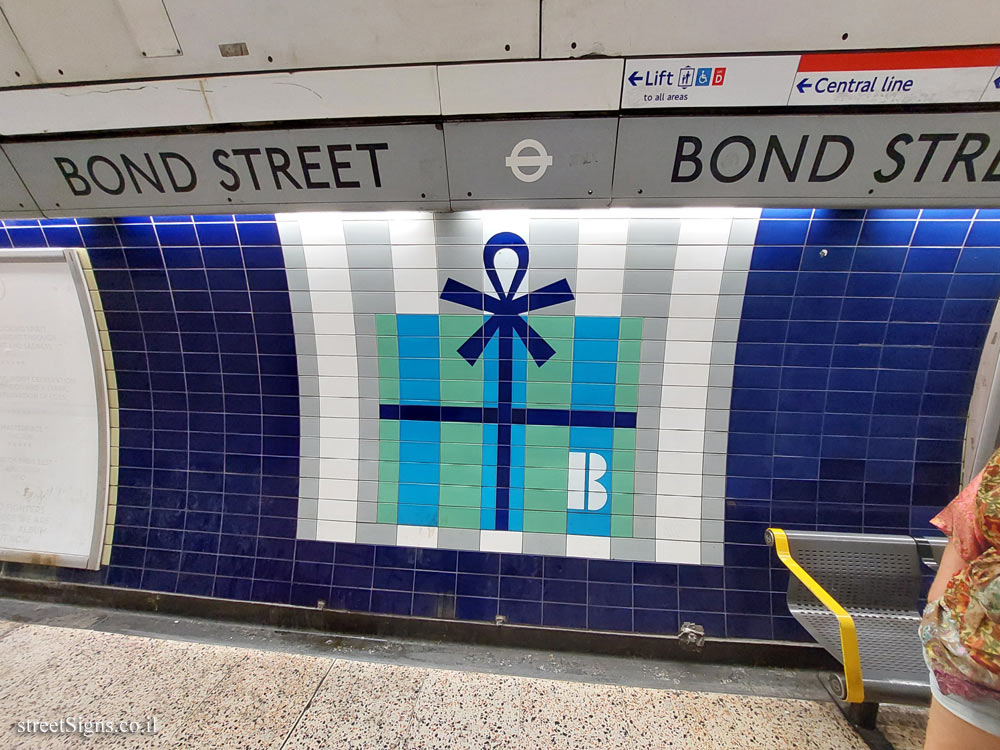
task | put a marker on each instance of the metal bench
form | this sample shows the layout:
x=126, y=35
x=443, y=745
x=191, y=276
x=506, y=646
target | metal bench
x=859, y=595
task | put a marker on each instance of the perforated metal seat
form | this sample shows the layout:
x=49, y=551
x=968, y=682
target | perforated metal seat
x=877, y=579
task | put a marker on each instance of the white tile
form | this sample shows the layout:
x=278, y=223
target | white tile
x=337, y=447
x=337, y=510
x=321, y=228
x=686, y=353
x=343, y=387
x=516, y=221
x=690, y=329
x=600, y=256
x=693, y=305
x=416, y=303
x=325, y=256
x=414, y=256
x=678, y=484
x=682, y=419
x=744, y=232
x=700, y=258
x=678, y=506
x=705, y=231
x=338, y=427
x=680, y=529
x=338, y=489
x=696, y=282
x=336, y=531
x=332, y=302
x=686, y=396
x=416, y=536
x=335, y=406
x=676, y=462
x=415, y=280
x=329, y=280
x=500, y=541
x=687, y=374
x=595, y=547
x=412, y=232
x=334, y=344
x=337, y=365
x=338, y=468
x=334, y=323
x=687, y=553
x=595, y=231
x=600, y=280
x=681, y=440
x=597, y=304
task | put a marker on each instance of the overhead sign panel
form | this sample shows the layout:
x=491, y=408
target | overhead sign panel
x=384, y=166
x=546, y=162
x=910, y=77
x=708, y=81
x=14, y=198
x=953, y=75
x=992, y=93
x=926, y=159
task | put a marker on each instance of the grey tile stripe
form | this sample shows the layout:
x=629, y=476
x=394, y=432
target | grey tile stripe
x=308, y=374
x=369, y=262
x=720, y=388
x=650, y=255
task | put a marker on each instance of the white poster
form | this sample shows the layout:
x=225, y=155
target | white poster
x=52, y=454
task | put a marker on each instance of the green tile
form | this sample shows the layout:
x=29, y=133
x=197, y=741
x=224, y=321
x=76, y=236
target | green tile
x=626, y=396
x=631, y=328
x=624, y=439
x=387, y=346
x=458, y=496
x=387, y=513
x=549, y=394
x=623, y=481
x=622, y=459
x=546, y=479
x=628, y=351
x=621, y=526
x=461, y=326
x=385, y=325
x=458, y=518
x=545, y=521
x=388, y=492
x=548, y=435
x=621, y=504
x=457, y=432
x=536, y=499
x=462, y=453
x=460, y=474
x=388, y=429
x=552, y=326
x=543, y=456
x=461, y=392
x=388, y=470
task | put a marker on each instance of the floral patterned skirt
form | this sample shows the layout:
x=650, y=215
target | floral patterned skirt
x=961, y=632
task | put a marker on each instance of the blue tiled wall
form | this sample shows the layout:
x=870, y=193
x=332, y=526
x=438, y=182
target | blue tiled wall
x=854, y=370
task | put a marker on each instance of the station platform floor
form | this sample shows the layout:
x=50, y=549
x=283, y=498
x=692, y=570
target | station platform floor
x=217, y=685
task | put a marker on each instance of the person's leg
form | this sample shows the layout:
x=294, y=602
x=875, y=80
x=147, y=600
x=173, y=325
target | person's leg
x=945, y=731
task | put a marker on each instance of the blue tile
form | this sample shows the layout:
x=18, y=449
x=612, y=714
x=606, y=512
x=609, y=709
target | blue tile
x=834, y=232
x=564, y=615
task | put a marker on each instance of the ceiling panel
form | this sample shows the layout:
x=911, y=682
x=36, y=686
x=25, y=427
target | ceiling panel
x=93, y=41
x=15, y=70
x=572, y=28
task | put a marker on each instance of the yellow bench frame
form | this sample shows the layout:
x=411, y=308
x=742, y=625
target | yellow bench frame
x=848, y=630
